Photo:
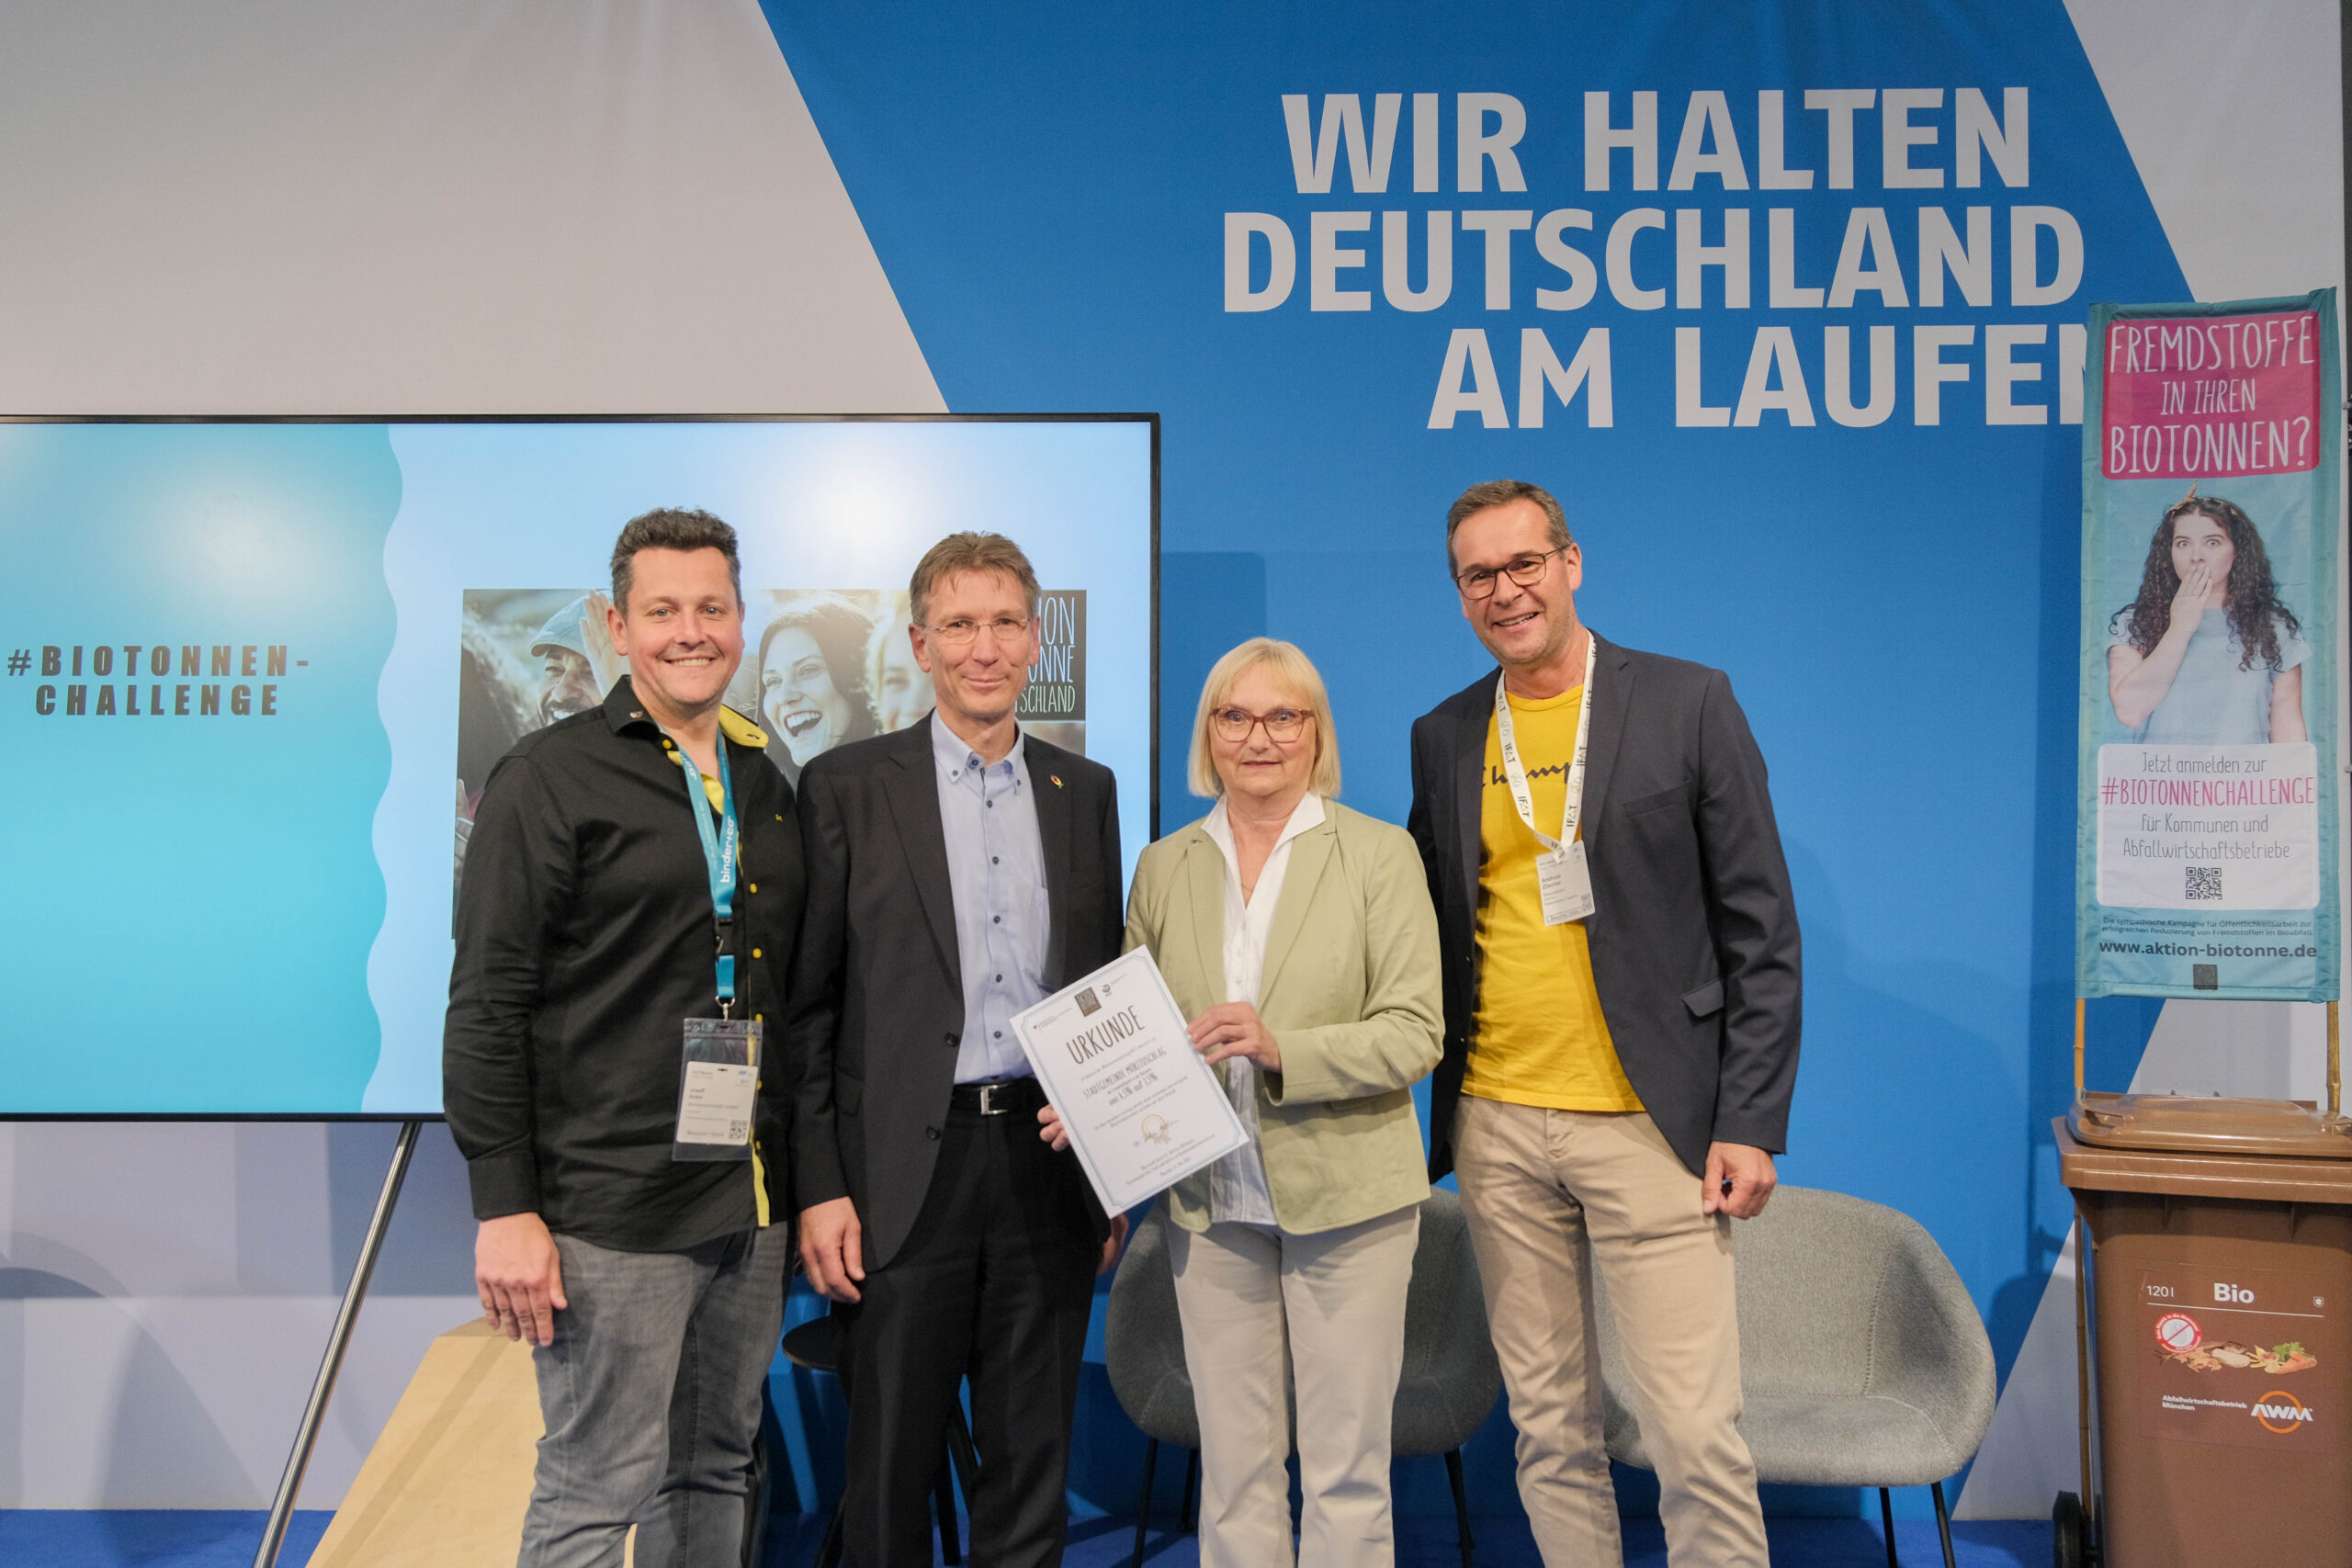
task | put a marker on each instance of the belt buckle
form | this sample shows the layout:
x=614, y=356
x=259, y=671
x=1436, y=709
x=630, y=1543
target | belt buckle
x=988, y=1106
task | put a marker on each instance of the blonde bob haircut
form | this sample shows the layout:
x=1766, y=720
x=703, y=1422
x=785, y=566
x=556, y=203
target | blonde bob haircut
x=1296, y=673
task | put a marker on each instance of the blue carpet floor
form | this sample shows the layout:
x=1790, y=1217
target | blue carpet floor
x=1506, y=1543
x=126, y=1538
x=120, y=1537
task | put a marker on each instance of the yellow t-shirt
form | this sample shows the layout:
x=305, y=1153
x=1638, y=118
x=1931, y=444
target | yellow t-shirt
x=1539, y=1037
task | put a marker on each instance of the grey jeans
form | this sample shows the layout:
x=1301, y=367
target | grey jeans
x=651, y=1397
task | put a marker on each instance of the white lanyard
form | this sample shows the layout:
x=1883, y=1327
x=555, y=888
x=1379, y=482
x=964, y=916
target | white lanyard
x=1562, y=876
x=1515, y=775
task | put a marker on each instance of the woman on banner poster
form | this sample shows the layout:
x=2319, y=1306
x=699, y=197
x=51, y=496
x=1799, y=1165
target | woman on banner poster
x=2207, y=654
x=812, y=692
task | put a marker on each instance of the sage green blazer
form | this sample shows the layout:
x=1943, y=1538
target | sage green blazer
x=1352, y=994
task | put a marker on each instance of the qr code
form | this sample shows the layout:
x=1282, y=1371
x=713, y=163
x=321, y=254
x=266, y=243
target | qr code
x=2204, y=882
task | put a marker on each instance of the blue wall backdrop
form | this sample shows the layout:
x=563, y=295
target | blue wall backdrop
x=1048, y=190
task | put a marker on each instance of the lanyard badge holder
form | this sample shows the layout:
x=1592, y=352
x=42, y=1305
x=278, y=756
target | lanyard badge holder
x=1562, y=877
x=719, y=1069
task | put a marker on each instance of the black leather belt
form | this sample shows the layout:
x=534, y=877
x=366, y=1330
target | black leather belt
x=999, y=1098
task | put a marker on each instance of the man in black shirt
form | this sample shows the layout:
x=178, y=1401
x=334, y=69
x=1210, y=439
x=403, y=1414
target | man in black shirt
x=627, y=1150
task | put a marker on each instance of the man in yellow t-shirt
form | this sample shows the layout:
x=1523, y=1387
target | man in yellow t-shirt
x=1621, y=997
x=1540, y=1036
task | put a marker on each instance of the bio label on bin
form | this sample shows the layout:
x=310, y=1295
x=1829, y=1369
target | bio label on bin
x=2226, y=1350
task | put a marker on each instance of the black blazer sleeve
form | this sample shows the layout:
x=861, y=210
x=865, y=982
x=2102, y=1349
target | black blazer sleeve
x=1756, y=927
x=1110, y=936
x=813, y=1016
x=1418, y=821
x=1429, y=822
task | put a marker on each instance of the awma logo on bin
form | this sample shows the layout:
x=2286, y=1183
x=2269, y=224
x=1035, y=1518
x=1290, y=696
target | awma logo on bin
x=2281, y=1412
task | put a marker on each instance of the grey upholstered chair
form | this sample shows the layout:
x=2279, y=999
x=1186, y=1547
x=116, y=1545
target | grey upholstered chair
x=1450, y=1378
x=1449, y=1386
x=1862, y=1360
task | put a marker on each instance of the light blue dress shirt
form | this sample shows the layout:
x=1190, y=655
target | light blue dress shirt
x=996, y=864
x=2211, y=700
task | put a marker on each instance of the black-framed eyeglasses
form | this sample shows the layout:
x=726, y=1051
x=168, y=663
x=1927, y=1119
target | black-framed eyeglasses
x=962, y=632
x=1478, y=582
x=1283, y=725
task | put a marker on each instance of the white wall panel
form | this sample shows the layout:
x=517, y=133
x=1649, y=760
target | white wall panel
x=2233, y=114
x=436, y=206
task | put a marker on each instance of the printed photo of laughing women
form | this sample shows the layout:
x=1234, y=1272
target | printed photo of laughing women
x=811, y=692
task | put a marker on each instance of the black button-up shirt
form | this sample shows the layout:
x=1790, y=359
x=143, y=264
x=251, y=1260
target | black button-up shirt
x=586, y=939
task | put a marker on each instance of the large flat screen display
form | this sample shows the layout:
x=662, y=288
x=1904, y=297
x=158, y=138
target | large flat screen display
x=258, y=671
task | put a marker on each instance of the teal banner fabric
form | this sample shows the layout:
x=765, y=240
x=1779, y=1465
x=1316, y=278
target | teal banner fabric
x=2206, y=837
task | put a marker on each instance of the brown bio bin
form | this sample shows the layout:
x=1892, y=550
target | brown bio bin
x=2220, y=1247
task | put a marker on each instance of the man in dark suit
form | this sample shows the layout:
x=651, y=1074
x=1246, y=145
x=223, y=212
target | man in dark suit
x=1621, y=1001
x=958, y=872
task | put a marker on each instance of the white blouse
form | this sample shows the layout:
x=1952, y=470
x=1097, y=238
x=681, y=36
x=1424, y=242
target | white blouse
x=1238, y=1192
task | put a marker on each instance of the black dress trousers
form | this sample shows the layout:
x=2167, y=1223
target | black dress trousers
x=994, y=1284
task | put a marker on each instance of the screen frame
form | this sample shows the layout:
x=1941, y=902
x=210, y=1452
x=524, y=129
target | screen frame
x=396, y=1118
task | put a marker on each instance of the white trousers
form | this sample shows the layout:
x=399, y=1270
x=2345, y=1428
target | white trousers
x=1329, y=1308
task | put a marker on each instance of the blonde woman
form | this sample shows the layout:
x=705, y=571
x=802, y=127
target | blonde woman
x=1298, y=937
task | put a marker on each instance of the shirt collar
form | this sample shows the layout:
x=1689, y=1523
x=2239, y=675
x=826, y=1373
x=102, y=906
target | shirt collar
x=620, y=707
x=741, y=730
x=1308, y=814
x=949, y=751
x=622, y=712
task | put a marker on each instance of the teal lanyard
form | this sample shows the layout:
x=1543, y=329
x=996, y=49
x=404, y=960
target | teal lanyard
x=718, y=857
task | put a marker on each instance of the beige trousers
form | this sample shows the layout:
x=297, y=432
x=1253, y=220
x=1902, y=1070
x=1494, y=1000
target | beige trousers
x=1548, y=1195
x=1255, y=1302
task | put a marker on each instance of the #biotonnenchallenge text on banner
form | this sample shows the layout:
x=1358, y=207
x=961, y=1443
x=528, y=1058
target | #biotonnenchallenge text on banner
x=2206, y=861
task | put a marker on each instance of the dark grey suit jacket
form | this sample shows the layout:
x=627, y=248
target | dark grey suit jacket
x=1695, y=933
x=877, y=990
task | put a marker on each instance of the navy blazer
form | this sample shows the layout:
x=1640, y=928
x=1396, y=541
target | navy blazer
x=1694, y=931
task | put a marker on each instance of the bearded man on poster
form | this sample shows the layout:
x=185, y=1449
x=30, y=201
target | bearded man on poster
x=632, y=891
x=1621, y=1005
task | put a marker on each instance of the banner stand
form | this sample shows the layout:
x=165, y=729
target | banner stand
x=2335, y=1066
x=306, y=1435
x=2080, y=1004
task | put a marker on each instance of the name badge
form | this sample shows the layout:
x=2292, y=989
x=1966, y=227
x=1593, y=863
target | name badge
x=718, y=1086
x=1566, y=882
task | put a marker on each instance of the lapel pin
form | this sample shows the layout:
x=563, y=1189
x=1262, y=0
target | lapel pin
x=1057, y=778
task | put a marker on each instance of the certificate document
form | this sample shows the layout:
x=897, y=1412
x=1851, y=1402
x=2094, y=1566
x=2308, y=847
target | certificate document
x=1143, y=1109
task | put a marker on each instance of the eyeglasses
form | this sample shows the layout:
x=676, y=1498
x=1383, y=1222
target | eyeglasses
x=1283, y=725
x=1478, y=582
x=963, y=632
